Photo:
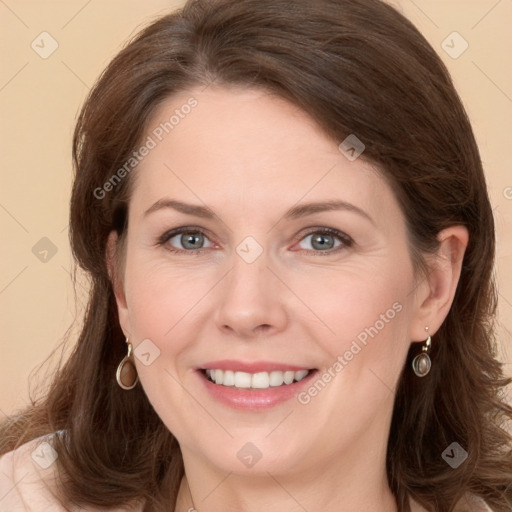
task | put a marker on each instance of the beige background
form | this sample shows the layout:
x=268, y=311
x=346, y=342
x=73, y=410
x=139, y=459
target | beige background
x=39, y=101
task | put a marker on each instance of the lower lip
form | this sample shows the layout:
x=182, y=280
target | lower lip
x=255, y=399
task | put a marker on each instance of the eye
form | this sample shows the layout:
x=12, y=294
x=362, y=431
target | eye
x=325, y=240
x=194, y=240
x=185, y=240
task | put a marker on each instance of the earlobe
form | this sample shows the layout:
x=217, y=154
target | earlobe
x=441, y=281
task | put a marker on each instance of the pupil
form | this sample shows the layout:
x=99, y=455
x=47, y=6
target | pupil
x=319, y=242
x=191, y=241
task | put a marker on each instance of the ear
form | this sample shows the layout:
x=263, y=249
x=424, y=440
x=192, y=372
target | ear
x=434, y=296
x=116, y=271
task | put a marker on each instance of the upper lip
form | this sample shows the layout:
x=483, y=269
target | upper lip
x=252, y=367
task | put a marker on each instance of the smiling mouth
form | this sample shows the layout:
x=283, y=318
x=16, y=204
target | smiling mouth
x=259, y=380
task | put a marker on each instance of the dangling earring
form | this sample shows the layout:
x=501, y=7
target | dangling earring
x=126, y=374
x=421, y=364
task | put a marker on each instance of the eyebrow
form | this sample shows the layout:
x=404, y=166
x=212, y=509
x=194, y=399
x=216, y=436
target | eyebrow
x=190, y=209
x=302, y=210
x=296, y=212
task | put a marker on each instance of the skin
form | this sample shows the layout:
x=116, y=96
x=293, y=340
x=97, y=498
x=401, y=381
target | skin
x=250, y=157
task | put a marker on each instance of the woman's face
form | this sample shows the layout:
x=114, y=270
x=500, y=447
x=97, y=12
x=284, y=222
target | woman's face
x=235, y=264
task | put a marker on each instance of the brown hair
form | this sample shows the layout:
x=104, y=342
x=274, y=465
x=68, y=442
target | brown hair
x=356, y=66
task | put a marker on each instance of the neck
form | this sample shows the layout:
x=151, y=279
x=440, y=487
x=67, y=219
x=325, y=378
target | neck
x=355, y=483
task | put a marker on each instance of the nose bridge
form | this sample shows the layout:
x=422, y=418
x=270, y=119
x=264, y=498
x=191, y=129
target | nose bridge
x=249, y=275
x=251, y=297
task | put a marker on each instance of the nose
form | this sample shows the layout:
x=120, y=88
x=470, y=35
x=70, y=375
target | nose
x=251, y=301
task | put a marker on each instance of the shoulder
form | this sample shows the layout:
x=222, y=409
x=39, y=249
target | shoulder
x=471, y=503
x=28, y=479
x=28, y=476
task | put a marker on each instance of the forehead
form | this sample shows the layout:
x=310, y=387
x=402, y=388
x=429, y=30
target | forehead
x=247, y=148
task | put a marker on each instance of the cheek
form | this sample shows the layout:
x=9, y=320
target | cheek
x=366, y=315
x=163, y=304
x=160, y=296
x=369, y=316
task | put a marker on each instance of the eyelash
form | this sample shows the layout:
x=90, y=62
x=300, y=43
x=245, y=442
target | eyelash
x=345, y=240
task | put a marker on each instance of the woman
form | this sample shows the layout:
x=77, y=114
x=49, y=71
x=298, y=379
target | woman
x=283, y=212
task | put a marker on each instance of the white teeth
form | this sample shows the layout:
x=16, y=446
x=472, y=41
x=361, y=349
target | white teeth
x=229, y=378
x=242, y=380
x=276, y=378
x=260, y=380
x=288, y=377
x=300, y=374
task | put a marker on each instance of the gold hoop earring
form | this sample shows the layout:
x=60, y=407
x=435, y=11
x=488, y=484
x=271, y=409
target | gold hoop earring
x=422, y=363
x=126, y=374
